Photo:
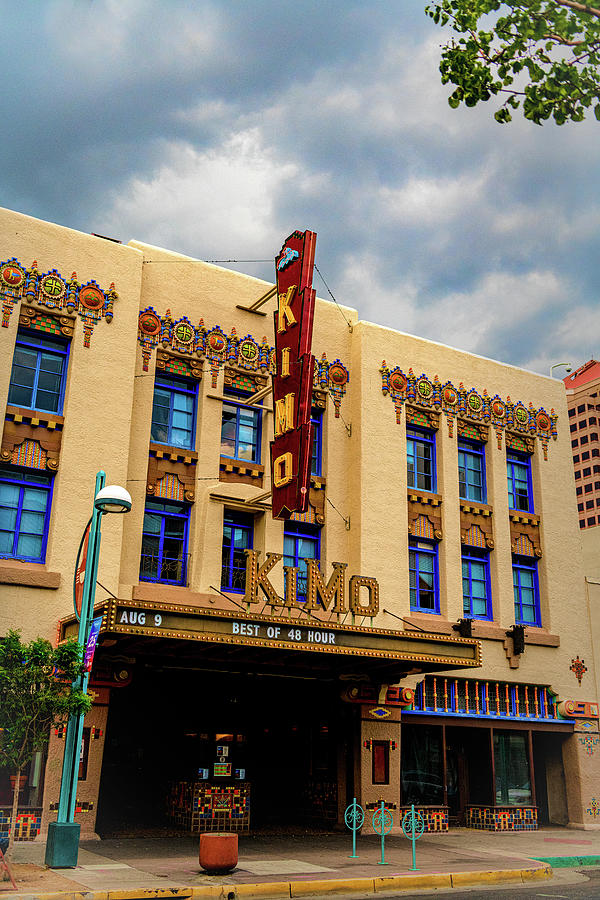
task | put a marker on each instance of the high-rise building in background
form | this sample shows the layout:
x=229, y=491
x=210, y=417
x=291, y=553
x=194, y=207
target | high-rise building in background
x=583, y=401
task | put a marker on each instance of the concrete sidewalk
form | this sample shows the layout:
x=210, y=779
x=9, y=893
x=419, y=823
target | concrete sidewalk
x=294, y=866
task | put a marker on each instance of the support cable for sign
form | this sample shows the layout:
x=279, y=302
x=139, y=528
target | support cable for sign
x=333, y=298
x=406, y=622
x=346, y=520
x=110, y=593
x=235, y=603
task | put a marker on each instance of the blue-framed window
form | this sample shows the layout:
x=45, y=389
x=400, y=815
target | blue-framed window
x=174, y=411
x=238, y=529
x=25, y=501
x=471, y=471
x=520, y=489
x=476, y=585
x=164, y=542
x=420, y=455
x=39, y=368
x=240, y=429
x=526, y=590
x=316, y=459
x=300, y=542
x=423, y=572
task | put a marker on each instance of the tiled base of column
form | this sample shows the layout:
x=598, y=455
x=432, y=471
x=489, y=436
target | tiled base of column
x=502, y=818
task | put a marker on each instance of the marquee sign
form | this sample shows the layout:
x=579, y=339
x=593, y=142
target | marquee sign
x=293, y=378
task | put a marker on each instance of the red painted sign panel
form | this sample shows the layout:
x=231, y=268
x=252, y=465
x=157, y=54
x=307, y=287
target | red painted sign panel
x=293, y=380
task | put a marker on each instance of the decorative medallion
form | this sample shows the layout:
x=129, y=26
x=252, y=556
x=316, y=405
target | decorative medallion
x=249, y=351
x=91, y=297
x=379, y=712
x=529, y=423
x=12, y=276
x=184, y=333
x=578, y=668
x=589, y=743
x=53, y=286
x=149, y=323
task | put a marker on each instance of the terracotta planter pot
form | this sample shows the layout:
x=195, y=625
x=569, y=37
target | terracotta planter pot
x=218, y=853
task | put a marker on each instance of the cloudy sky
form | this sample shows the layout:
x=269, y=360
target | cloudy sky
x=216, y=127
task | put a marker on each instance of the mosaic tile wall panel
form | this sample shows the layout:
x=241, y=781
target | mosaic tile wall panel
x=210, y=807
x=502, y=818
x=436, y=817
x=29, y=823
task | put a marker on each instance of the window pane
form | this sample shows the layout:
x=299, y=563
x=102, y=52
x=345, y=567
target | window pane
x=32, y=523
x=35, y=499
x=152, y=523
x=9, y=495
x=29, y=545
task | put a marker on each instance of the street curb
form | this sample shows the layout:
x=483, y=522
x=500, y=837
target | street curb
x=567, y=862
x=291, y=889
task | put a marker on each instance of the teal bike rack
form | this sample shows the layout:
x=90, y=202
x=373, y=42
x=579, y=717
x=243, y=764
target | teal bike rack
x=383, y=822
x=413, y=826
x=354, y=818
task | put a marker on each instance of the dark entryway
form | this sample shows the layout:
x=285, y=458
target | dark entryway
x=287, y=736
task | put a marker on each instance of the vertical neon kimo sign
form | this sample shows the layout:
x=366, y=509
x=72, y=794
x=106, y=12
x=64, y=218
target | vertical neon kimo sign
x=293, y=378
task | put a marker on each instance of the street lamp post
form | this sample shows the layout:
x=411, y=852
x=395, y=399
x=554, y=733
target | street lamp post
x=568, y=368
x=62, y=846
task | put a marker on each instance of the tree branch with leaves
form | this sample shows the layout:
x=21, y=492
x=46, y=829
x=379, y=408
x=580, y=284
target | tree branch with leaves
x=36, y=695
x=540, y=56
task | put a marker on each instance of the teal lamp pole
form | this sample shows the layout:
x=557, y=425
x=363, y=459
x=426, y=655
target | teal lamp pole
x=62, y=846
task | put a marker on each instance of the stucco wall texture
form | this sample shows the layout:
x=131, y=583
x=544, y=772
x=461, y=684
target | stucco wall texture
x=107, y=412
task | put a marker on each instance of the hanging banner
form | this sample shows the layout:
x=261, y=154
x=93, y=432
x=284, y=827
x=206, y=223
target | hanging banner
x=90, y=647
x=293, y=379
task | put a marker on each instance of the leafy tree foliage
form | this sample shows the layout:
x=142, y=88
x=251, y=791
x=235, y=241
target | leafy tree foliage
x=539, y=55
x=35, y=696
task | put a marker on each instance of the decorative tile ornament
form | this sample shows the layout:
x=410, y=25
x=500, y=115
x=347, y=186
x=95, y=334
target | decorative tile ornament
x=578, y=668
x=589, y=743
x=89, y=301
x=221, y=350
x=594, y=808
x=518, y=423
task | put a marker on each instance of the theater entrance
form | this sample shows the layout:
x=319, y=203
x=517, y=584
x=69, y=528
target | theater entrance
x=186, y=745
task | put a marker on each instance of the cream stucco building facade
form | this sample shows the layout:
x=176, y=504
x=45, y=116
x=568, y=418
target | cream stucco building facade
x=441, y=479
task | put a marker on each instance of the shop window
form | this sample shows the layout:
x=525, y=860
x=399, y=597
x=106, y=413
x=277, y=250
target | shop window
x=164, y=543
x=422, y=766
x=476, y=585
x=237, y=537
x=471, y=471
x=25, y=501
x=511, y=765
x=37, y=378
x=380, y=758
x=240, y=429
x=174, y=411
x=526, y=591
x=420, y=453
x=423, y=573
x=300, y=542
x=316, y=459
x=520, y=491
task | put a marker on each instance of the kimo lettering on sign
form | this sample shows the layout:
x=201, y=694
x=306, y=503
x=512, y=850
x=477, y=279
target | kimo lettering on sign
x=293, y=379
